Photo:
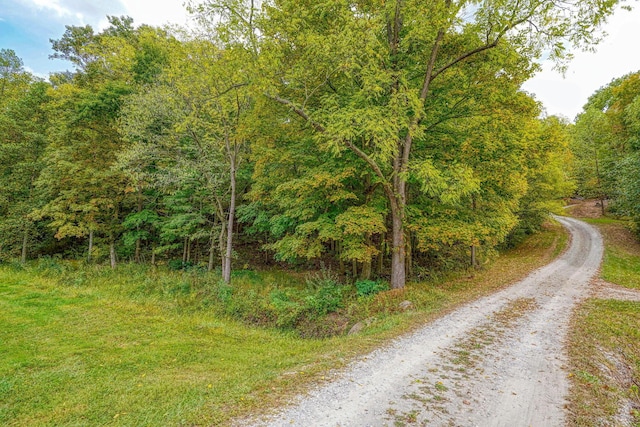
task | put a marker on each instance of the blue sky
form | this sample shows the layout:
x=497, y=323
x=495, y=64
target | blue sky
x=27, y=25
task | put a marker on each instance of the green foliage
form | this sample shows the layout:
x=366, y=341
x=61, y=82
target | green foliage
x=372, y=134
x=371, y=287
x=606, y=146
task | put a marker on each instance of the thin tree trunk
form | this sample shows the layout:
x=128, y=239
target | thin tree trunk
x=222, y=243
x=184, y=250
x=473, y=256
x=112, y=253
x=409, y=262
x=366, y=265
x=232, y=211
x=212, y=248
x=354, y=269
x=381, y=255
x=341, y=266
x=25, y=240
x=136, y=256
x=473, y=247
x=90, y=246
x=153, y=256
x=600, y=190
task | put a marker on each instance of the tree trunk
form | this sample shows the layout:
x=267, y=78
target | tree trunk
x=473, y=256
x=381, y=256
x=153, y=256
x=232, y=211
x=474, y=207
x=25, y=240
x=365, y=274
x=398, y=252
x=212, y=258
x=600, y=190
x=112, y=253
x=409, y=252
x=222, y=243
x=136, y=256
x=184, y=250
x=90, y=246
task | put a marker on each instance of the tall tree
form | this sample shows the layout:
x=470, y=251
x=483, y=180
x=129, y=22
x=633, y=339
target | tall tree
x=365, y=76
x=201, y=104
x=606, y=145
x=23, y=125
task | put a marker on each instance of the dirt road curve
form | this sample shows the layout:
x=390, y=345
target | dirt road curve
x=495, y=362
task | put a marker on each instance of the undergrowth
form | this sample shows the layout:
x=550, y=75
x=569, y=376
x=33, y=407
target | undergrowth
x=87, y=345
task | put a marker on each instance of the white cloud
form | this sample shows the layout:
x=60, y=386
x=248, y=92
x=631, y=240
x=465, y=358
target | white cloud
x=156, y=12
x=77, y=12
x=35, y=73
x=589, y=71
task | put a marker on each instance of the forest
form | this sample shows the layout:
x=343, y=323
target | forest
x=380, y=141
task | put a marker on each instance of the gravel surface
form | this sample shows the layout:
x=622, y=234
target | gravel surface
x=497, y=361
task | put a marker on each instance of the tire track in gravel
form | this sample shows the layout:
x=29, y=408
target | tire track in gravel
x=497, y=361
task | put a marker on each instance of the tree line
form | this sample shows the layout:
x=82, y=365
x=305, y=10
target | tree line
x=382, y=138
x=606, y=140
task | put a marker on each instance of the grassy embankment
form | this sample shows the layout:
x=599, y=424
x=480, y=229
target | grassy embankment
x=141, y=347
x=605, y=340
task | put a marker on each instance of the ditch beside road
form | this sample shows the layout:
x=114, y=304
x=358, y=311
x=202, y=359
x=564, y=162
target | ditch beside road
x=498, y=361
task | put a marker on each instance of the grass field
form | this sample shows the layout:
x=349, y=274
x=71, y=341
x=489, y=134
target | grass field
x=87, y=346
x=604, y=345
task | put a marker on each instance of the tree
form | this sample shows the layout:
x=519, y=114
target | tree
x=606, y=146
x=194, y=119
x=23, y=124
x=365, y=76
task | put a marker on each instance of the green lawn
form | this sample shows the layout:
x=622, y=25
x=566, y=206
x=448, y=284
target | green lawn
x=621, y=263
x=85, y=346
x=85, y=355
x=605, y=341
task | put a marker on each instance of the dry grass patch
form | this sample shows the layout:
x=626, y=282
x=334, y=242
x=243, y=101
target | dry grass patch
x=604, y=342
x=605, y=364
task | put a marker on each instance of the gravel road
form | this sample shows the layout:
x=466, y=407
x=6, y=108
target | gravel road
x=497, y=361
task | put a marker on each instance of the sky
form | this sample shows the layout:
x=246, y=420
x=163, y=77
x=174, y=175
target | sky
x=27, y=25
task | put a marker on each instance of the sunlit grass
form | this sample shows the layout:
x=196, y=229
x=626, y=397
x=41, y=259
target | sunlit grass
x=142, y=347
x=88, y=355
x=605, y=364
x=604, y=344
x=621, y=263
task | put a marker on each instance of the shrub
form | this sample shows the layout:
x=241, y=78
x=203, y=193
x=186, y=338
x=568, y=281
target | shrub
x=371, y=287
x=325, y=300
x=286, y=310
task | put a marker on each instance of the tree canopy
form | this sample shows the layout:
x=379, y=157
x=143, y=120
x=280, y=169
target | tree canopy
x=382, y=138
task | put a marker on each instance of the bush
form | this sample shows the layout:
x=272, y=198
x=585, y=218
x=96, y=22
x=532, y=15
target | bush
x=371, y=287
x=287, y=311
x=178, y=265
x=325, y=300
